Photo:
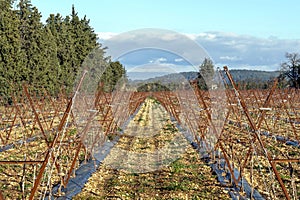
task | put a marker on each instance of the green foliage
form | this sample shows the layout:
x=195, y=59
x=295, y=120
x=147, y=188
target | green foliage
x=74, y=40
x=252, y=79
x=177, y=166
x=10, y=49
x=206, y=74
x=152, y=87
x=245, y=79
x=50, y=55
x=113, y=76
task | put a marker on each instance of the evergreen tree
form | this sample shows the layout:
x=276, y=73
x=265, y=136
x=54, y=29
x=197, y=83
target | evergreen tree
x=50, y=55
x=10, y=50
x=95, y=64
x=113, y=75
x=65, y=52
x=152, y=87
x=85, y=38
x=34, y=44
x=75, y=39
x=51, y=71
x=206, y=74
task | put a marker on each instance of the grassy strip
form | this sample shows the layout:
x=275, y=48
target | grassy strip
x=187, y=177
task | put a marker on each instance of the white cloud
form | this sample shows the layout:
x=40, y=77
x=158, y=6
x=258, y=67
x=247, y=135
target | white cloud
x=208, y=36
x=236, y=51
x=169, y=37
x=158, y=60
x=271, y=67
x=169, y=41
x=106, y=35
x=231, y=58
x=151, y=68
x=162, y=60
x=191, y=36
x=178, y=60
x=160, y=67
x=243, y=50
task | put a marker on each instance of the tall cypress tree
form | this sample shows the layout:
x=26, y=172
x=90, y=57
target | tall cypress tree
x=31, y=39
x=85, y=38
x=75, y=39
x=64, y=40
x=50, y=55
x=10, y=50
x=51, y=68
x=112, y=75
x=39, y=47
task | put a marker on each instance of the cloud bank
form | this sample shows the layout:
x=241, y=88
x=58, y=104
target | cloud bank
x=235, y=51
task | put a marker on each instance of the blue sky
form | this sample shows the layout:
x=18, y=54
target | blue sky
x=250, y=34
x=261, y=18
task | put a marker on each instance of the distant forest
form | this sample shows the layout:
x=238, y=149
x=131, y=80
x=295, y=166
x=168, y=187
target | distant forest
x=245, y=79
x=46, y=55
x=254, y=79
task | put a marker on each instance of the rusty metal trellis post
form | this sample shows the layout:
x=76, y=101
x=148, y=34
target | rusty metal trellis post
x=256, y=132
x=52, y=145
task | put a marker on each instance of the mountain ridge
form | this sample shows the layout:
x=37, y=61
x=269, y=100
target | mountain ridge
x=237, y=74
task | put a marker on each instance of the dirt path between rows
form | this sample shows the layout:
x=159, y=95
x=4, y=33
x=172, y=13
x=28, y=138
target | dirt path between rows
x=153, y=160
